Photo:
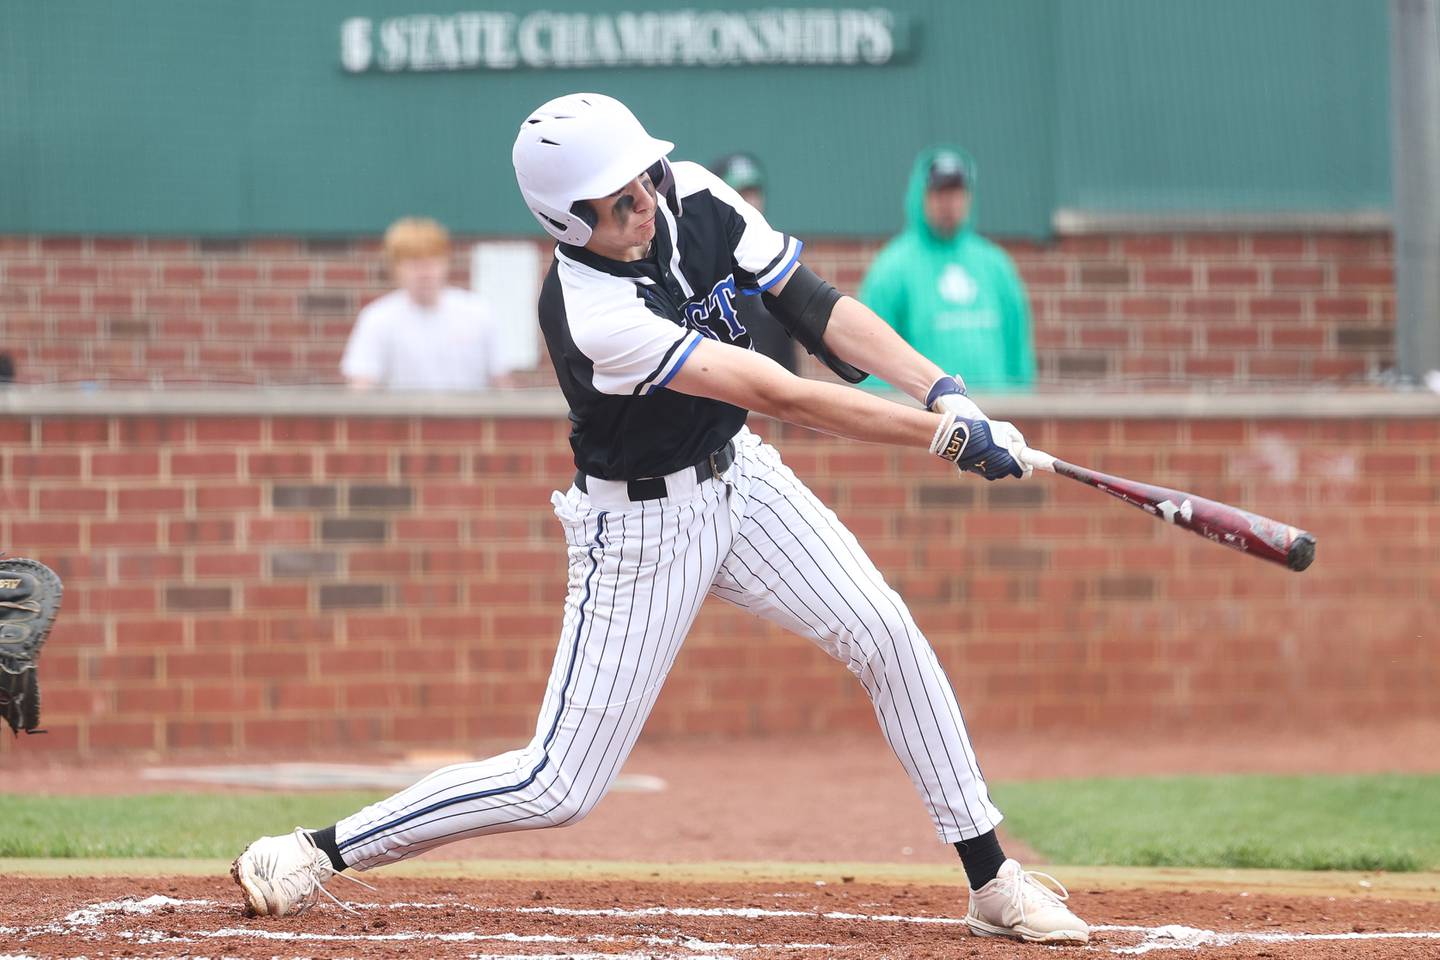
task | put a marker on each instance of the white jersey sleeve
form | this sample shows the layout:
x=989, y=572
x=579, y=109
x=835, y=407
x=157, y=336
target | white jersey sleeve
x=758, y=249
x=490, y=346
x=632, y=350
x=367, y=352
x=497, y=363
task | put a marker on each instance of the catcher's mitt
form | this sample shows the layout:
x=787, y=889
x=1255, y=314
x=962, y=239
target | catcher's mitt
x=29, y=599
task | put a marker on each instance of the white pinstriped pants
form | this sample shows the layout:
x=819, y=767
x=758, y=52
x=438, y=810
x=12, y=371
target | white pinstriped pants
x=638, y=574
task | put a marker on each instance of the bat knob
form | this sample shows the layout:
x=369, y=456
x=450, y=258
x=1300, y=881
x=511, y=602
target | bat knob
x=1301, y=553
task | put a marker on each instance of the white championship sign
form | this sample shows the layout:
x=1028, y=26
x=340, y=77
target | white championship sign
x=490, y=40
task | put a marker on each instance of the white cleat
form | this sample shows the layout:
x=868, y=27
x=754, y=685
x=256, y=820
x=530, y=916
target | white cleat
x=1016, y=904
x=284, y=875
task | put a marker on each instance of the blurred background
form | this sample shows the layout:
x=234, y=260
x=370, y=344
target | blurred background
x=1196, y=198
x=1227, y=270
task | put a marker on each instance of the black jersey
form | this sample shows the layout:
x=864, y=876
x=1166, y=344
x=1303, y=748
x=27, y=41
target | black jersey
x=767, y=336
x=618, y=332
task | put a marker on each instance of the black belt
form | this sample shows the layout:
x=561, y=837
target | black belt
x=653, y=488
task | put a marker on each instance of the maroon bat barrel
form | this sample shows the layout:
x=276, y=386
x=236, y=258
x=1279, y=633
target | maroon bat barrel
x=1226, y=525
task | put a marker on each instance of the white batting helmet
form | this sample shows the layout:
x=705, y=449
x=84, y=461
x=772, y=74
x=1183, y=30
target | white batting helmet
x=580, y=147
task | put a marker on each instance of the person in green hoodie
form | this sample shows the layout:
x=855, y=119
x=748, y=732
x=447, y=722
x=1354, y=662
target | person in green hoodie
x=953, y=295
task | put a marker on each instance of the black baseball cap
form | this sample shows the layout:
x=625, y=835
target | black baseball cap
x=740, y=171
x=947, y=169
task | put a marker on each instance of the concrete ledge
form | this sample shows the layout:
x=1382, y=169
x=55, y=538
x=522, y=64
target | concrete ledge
x=279, y=401
x=548, y=402
x=1074, y=222
x=1326, y=405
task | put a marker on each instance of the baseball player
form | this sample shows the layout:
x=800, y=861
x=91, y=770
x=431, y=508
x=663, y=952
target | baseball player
x=675, y=499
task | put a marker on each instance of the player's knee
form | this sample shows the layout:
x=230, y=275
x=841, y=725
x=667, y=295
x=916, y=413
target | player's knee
x=886, y=630
x=889, y=641
x=569, y=809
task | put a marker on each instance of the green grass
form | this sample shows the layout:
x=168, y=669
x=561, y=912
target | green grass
x=1284, y=823
x=161, y=824
x=1388, y=822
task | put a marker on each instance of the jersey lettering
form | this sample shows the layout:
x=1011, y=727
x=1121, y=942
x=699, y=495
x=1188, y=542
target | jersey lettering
x=715, y=315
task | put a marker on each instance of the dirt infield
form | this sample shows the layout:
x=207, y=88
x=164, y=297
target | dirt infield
x=657, y=920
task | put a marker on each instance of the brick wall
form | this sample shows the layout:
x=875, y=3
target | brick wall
x=1134, y=310
x=257, y=582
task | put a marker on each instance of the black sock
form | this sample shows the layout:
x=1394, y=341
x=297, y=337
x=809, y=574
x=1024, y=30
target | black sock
x=325, y=840
x=981, y=857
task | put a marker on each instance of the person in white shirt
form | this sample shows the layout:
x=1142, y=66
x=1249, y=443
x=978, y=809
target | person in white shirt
x=425, y=335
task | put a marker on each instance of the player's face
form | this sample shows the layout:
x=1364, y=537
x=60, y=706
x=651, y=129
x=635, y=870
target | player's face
x=946, y=209
x=755, y=197
x=423, y=278
x=625, y=221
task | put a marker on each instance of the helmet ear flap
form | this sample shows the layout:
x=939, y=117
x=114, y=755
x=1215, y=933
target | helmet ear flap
x=567, y=226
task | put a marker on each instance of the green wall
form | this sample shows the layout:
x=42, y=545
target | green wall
x=216, y=117
x=1226, y=104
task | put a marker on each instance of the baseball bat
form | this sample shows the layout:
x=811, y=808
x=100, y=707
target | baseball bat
x=1226, y=525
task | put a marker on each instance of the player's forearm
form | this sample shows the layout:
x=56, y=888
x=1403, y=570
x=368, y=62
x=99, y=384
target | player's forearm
x=746, y=379
x=846, y=412
x=858, y=336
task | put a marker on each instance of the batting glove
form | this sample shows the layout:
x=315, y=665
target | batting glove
x=1005, y=434
x=967, y=438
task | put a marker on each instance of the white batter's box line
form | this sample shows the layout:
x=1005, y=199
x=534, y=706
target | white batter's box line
x=92, y=915
x=743, y=913
x=95, y=913
x=85, y=920
x=694, y=945
x=1178, y=937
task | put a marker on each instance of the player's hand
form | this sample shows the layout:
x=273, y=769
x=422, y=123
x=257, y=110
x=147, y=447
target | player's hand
x=967, y=438
x=958, y=404
x=970, y=445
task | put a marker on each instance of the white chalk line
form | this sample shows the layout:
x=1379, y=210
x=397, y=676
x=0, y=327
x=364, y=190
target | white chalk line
x=84, y=921
x=92, y=915
x=740, y=913
x=1178, y=937
x=1166, y=937
x=693, y=944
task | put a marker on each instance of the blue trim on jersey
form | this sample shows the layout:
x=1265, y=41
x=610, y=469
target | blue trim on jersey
x=799, y=245
x=550, y=736
x=646, y=386
x=681, y=362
